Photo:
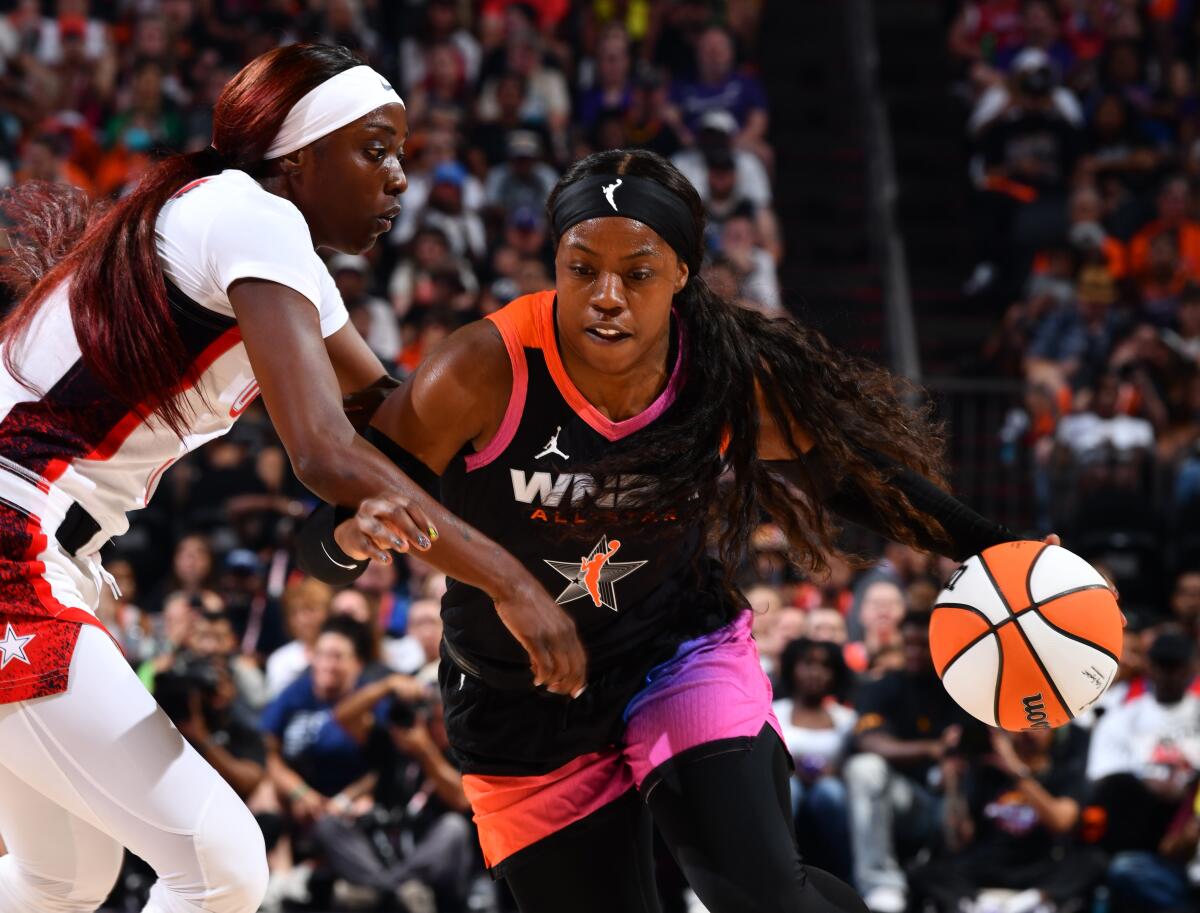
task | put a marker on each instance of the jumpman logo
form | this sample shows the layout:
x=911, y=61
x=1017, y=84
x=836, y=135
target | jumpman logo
x=594, y=575
x=13, y=647
x=609, y=190
x=552, y=446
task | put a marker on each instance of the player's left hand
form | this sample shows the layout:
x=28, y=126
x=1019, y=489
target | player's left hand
x=383, y=523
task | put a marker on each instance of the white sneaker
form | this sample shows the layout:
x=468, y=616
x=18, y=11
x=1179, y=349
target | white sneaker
x=290, y=885
x=1028, y=901
x=417, y=896
x=349, y=896
x=886, y=899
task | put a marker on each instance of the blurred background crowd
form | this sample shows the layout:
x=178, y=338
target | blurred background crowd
x=1082, y=126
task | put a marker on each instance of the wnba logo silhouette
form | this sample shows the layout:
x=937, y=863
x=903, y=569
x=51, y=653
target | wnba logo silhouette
x=594, y=574
x=609, y=190
x=1035, y=711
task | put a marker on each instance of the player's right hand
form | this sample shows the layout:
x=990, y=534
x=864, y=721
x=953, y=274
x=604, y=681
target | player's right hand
x=385, y=523
x=548, y=635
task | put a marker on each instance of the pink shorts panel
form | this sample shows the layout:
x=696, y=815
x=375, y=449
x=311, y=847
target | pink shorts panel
x=714, y=688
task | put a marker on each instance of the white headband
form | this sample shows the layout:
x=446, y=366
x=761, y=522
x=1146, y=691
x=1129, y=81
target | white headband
x=333, y=104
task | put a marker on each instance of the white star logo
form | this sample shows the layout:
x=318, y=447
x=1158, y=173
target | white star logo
x=594, y=575
x=13, y=647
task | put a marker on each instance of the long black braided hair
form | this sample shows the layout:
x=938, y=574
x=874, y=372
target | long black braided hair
x=699, y=461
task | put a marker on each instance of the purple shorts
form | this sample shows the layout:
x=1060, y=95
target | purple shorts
x=712, y=689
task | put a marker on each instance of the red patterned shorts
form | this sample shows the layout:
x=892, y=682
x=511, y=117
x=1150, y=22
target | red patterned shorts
x=45, y=594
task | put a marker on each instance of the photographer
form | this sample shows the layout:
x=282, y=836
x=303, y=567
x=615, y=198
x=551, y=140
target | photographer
x=1013, y=816
x=312, y=760
x=198, y=693
x=417, y=829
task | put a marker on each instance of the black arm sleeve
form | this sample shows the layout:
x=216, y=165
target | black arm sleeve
x=968, y=532
x=318, y=554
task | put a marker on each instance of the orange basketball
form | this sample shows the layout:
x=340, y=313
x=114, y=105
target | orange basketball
x=1026, y=635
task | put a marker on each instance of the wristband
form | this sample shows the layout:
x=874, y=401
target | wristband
x=318, y=554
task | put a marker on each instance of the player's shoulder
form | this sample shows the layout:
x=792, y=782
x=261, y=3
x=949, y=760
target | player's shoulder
x=478, y=347
x=235, y=195
x=471, y=368
x=525, y=321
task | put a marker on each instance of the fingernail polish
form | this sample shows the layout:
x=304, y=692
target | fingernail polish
x=423, y=541
x=433, y=533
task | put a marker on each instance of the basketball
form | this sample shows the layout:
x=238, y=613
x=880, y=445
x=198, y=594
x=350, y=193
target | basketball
x=1026, y=635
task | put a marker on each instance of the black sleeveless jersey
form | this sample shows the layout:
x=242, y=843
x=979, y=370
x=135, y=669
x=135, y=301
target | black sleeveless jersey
x=630, y=581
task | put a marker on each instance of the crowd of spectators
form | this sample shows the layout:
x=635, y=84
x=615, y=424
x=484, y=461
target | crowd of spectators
x=1082, y=120
x=502, y=96
x=320, y=706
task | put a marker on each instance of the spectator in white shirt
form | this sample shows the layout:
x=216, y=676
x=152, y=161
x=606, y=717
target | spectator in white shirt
x=524, y=180
x=1101, y=431
x=757, y=279
x=1156, y=736
x=717, y=129
x=352, y=275
x=817, y=729
x=422, y=639
x=1145, y=757
x=305, y=608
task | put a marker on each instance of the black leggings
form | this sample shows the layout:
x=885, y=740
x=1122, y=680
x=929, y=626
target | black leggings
x=726, y=817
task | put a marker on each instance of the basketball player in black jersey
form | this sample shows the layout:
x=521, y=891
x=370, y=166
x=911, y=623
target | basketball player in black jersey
x=605, y=433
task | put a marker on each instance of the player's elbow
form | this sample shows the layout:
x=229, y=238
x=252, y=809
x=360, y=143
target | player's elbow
x=319, y=469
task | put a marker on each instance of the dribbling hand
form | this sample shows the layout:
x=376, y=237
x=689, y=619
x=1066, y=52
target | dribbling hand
x=548, y=635
x=384, y=524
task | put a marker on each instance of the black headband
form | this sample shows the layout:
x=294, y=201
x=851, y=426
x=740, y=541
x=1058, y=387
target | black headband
x=647, y=201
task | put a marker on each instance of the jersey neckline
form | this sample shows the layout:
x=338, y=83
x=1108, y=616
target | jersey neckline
x=597, y=420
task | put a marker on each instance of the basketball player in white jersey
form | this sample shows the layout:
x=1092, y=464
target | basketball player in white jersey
x=148, y=335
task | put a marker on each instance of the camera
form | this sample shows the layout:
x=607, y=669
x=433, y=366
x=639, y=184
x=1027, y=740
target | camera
x=1036, y=83
x=405, y=714
x=188, y=673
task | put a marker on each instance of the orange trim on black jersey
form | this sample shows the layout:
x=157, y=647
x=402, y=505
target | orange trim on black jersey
x=531, y=319
x=509, y=321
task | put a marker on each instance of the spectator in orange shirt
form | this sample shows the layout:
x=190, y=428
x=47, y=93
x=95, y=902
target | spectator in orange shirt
x=1174, y=205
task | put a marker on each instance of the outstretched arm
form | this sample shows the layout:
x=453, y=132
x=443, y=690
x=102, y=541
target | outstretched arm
x=458, y=396
x=302, y=393
x=967, y=532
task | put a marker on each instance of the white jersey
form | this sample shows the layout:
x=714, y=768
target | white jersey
x=72, y=434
